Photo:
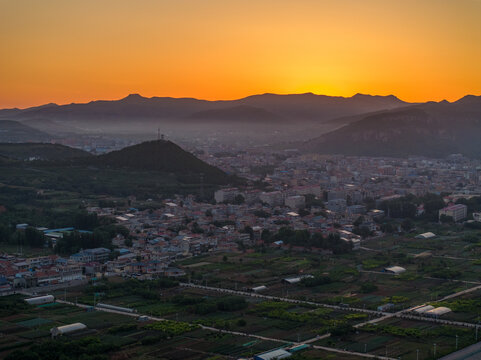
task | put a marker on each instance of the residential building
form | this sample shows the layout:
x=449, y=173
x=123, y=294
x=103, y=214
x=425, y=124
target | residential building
x=458, y=212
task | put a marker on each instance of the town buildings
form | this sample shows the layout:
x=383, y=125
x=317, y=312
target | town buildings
x=458, y=212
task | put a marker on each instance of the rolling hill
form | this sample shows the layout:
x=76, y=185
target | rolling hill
x=40, y=151
x=431, y=129
x=161, y=156
x=14, y=131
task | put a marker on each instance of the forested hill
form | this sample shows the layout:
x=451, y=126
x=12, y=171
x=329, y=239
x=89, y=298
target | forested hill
x=14, y=131
x=432, y=129
x=40, y=151
x=163, y=156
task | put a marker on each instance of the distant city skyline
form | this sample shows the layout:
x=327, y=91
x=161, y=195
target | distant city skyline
x=78, y=51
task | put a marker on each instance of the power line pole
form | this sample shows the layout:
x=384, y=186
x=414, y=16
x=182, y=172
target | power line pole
x=201, y=186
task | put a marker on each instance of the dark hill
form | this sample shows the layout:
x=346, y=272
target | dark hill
x=39, y=151
x=14, y=131
x=321, y=108
x=163, y=156
x=5, y=160
x=431, y=129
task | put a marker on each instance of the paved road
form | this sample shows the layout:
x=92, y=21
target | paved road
x=366, y=355
x=403, y=314
x=44, y=289
x=472, y=352
x=154, y=318
x=413, y=254
x=424, y=277
x=459, y=293
x=380, y=316
x=295, y=301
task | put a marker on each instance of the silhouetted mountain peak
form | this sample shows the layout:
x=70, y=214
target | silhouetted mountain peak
x=367, y=96
x=469, y=99
x=307, y=107
x=133, y=98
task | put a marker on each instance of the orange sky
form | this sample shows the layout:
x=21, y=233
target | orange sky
x=78, y=50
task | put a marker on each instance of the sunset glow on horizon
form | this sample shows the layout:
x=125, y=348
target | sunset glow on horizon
x=77, y=51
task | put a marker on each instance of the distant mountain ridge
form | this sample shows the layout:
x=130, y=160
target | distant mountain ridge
x=297, y=107
x=430, y=129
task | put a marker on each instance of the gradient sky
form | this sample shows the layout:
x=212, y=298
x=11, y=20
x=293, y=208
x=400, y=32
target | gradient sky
x=78, y=50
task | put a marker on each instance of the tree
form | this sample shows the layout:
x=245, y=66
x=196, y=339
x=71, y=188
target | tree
x=387, y=228
x=407, y=225
x=241, y=322
x=368, y=288
x=362, y=231
x=348, y=200
x=445, y=219
x=33, y=237
x=312, y=200
x=262, y=214
x=248, y=230
x=266, y=235
x=196, y=229
x=303, y=212
x=239, y=199
x=4, y=233
x=342, y=330
x=358, y=221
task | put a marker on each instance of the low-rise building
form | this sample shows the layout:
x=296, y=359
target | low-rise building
x=458, y=212
x=396, y=270
x=295, y=202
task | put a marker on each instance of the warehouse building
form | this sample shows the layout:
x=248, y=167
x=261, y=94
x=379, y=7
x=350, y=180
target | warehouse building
x=439, y=311
x=40, y=300
x=67, y=329
x=396, y=270
x=426, y=235
x=296, y=279
x=422, y=309
x=274, y=354
x=259, y=288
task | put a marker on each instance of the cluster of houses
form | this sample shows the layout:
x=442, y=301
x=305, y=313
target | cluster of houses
x=333, y=188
